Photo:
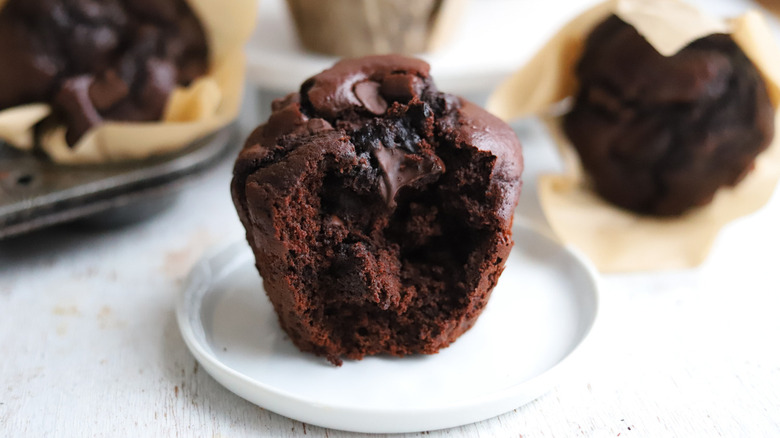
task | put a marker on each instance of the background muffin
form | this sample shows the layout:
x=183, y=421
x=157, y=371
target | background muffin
x=113, y=60
x=665, y=103
x=365, y=27
x=196, y=105
x=661, y=134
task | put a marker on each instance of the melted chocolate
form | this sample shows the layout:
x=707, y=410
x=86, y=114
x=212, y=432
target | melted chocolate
x=401, y=169
x=368, y=94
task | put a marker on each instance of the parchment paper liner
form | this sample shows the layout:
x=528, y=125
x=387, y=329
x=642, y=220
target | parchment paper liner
x=772, y=6
x=209, y=103
x=365, y=27
x=618, y=240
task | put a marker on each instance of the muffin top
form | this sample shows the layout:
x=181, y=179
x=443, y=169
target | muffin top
x=387, y=110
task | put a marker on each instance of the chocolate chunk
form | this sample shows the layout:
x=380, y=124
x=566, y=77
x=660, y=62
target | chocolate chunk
x=107, y=90
x=402, y=87
x=332, y=94
x=73, y=100
x=401, y=169
x=368, y=94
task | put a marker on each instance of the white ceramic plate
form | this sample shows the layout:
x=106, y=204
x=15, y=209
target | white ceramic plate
x=542, y=309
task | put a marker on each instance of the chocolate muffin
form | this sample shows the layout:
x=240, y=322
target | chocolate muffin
x=378, y=209
x=98, y=60
x=660, y=135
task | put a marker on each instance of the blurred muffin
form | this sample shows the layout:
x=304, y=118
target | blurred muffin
x=658, y=134
x=364, y=27
x=98, y=60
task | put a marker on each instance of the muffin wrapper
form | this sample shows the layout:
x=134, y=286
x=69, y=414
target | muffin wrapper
x=772, y=6
x=209, y=103
x=618, y=240
x=330, y=27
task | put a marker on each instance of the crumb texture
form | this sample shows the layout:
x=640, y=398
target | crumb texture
x=379, y=209
x=660, y=135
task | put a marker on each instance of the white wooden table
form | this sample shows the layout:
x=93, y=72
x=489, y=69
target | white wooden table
x=89, y=345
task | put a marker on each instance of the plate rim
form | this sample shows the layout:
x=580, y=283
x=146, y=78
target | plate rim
x=263, y=395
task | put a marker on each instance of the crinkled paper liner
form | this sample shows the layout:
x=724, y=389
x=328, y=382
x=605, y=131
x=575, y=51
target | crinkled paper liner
x=365, y=27
x=210, y=102
x=772, y=6
x=615, y=239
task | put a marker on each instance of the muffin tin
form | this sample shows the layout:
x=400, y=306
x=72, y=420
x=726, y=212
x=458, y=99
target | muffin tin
x=35, y=193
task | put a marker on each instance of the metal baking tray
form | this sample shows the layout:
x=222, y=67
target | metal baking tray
x=36, y=193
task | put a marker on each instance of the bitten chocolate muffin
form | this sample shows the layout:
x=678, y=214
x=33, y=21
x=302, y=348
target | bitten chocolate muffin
x=98, y=60
x=660, y=135
x=378, y=209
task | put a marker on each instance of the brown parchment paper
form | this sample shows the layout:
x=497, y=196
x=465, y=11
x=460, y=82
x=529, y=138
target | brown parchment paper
x=354, y=28
x=207, y=104
x=615, y=239
x=772, y=6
